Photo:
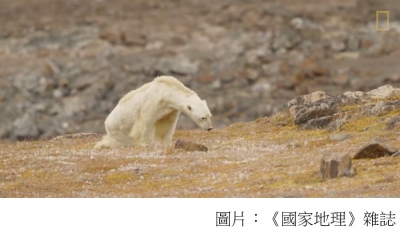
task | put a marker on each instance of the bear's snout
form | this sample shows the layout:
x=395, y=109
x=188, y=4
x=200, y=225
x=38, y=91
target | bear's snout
x=209, y=129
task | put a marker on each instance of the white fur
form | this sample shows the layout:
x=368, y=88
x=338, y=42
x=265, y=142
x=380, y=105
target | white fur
x=149, y=114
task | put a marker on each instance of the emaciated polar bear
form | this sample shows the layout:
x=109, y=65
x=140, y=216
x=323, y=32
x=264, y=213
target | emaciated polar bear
x=149, y=114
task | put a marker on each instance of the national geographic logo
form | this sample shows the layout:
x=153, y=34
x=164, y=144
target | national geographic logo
x=382, y=20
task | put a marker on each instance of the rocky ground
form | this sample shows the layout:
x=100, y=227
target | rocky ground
x=64, y=64
x=318, y=146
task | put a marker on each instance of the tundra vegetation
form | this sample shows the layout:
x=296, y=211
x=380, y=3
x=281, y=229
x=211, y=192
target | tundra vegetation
x=268, y=157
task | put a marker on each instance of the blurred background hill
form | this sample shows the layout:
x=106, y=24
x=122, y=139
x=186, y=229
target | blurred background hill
x=64, y=64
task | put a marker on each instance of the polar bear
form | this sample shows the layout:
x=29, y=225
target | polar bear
x=149, y=114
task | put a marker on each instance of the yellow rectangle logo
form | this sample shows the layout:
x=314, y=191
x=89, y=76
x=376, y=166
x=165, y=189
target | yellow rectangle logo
x=387, y=25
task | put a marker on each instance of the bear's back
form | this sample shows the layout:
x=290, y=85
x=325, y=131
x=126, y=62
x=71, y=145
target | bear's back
x=172, y=82
x=132, y=93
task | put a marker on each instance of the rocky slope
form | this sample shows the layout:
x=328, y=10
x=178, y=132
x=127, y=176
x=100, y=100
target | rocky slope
x=64, y=64
x=269, y=157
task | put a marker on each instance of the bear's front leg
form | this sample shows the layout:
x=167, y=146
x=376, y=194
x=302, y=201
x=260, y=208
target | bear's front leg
x=165, y=128
x=146, y=135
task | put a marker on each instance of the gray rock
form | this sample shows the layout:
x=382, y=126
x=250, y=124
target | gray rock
x=176, y=65
x=338, y=45
x=334, y=165
x=354, y=94
x=317, y=110
x=339, y=137
x=383, y=107
x=288, y=39
x=28, y=83
x=25, y=127
x=51, y=67
x=375, y=150
x=252, y=74
x=353, y=43
x=308, y=99
x=394, y=123
x=294, y=109
x=396, y=154
x=347, y=55
x=317, y=123
x=184, y=66
x=5, y=127
x=337, y=122
x=385, y=91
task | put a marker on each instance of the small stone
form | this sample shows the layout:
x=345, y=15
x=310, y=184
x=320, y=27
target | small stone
x=110, y=36
x=51, y=68
x=216, y=85
x=205, y=78
x=57, y=93
x=77, y=136
x=353, y=43
x=65, y=125
x=64, y=82
x=184, y=66
x=375, y=150
x=288, y=39
x=394, y=123
x=252, y=74
x=394, y=78
x=129, y=38
x=25, y=127
x=334, y=165
x=156, y=45
x=347, y=55
x=337, y=123
x=190, y=146
x=339, y=137
x=338, y=45
x=341, y=79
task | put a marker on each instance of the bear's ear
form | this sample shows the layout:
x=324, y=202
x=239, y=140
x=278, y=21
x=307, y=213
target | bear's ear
x=189, y=107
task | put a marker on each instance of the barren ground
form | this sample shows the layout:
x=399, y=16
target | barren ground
x=268, y=157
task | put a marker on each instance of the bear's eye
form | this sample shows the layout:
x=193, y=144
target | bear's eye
x=203, y=118
x=189, y=107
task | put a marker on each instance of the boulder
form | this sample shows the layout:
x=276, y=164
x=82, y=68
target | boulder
x=375, y=149
x=334, y=165
x=322, y=108
x=308, y=99
x=385, y=91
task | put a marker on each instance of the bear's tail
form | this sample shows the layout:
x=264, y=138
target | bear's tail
x=106, y=142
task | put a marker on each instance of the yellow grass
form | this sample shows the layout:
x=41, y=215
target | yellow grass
x=268, y=157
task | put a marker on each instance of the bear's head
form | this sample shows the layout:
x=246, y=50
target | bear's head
x=199, y=112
